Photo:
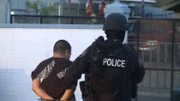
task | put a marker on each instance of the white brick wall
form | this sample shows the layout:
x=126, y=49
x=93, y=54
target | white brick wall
x=21, y=49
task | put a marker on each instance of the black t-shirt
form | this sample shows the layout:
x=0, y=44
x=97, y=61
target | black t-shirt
x=50, y=73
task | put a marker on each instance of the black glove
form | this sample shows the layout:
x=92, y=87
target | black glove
x=82, y=86
x=83, y=89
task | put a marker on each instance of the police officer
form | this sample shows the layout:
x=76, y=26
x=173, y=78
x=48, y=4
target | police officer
x=109, y=66
x=47, y=78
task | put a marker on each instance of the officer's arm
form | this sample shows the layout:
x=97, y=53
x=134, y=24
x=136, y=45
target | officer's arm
x=139, y=70
x=78, y=67
x=40, y=92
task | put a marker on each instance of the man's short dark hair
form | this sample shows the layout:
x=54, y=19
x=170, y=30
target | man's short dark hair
x=61, y=46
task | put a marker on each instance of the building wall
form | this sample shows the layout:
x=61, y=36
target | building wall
x=18, y=4
x=23, y=48
x=163, y=2
x=176, y=15
x=2, y=11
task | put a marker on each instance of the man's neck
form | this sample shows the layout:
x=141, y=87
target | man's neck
x=58, y=56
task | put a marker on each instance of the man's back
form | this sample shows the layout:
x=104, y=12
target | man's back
x=113, y=77
x=50, y=73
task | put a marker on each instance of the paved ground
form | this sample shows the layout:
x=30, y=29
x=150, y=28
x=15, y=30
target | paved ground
x=16, y=85
x=151, y=98
x=147, y=94
x=156, y=84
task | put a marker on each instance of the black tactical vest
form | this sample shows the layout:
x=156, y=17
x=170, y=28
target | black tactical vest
x=108, y=73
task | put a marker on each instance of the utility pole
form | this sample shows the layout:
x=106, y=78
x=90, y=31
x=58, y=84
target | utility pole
x=69, y=7
x=142, y=8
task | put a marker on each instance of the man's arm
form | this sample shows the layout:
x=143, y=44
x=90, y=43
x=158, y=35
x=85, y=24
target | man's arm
x=139, y=71
x=68, y=93
x=40, y=92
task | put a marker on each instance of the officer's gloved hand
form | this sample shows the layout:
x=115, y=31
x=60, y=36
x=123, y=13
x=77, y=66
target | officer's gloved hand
x=82, y=86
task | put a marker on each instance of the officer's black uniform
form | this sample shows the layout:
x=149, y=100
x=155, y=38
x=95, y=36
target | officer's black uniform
x=110, y=66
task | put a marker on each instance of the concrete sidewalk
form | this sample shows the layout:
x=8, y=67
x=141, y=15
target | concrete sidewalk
x=148, y=94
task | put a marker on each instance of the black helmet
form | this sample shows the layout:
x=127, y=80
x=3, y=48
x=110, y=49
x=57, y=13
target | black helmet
x=115, y=21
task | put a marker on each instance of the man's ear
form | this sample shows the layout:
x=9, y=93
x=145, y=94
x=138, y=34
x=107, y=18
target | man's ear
x=67, y=52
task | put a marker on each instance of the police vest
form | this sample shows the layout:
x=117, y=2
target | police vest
x=108, y=69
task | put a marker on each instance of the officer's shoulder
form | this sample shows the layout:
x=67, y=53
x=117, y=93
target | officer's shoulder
x=129, y=47
x=131, y=50
x=95, y=43
x=88, y=50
